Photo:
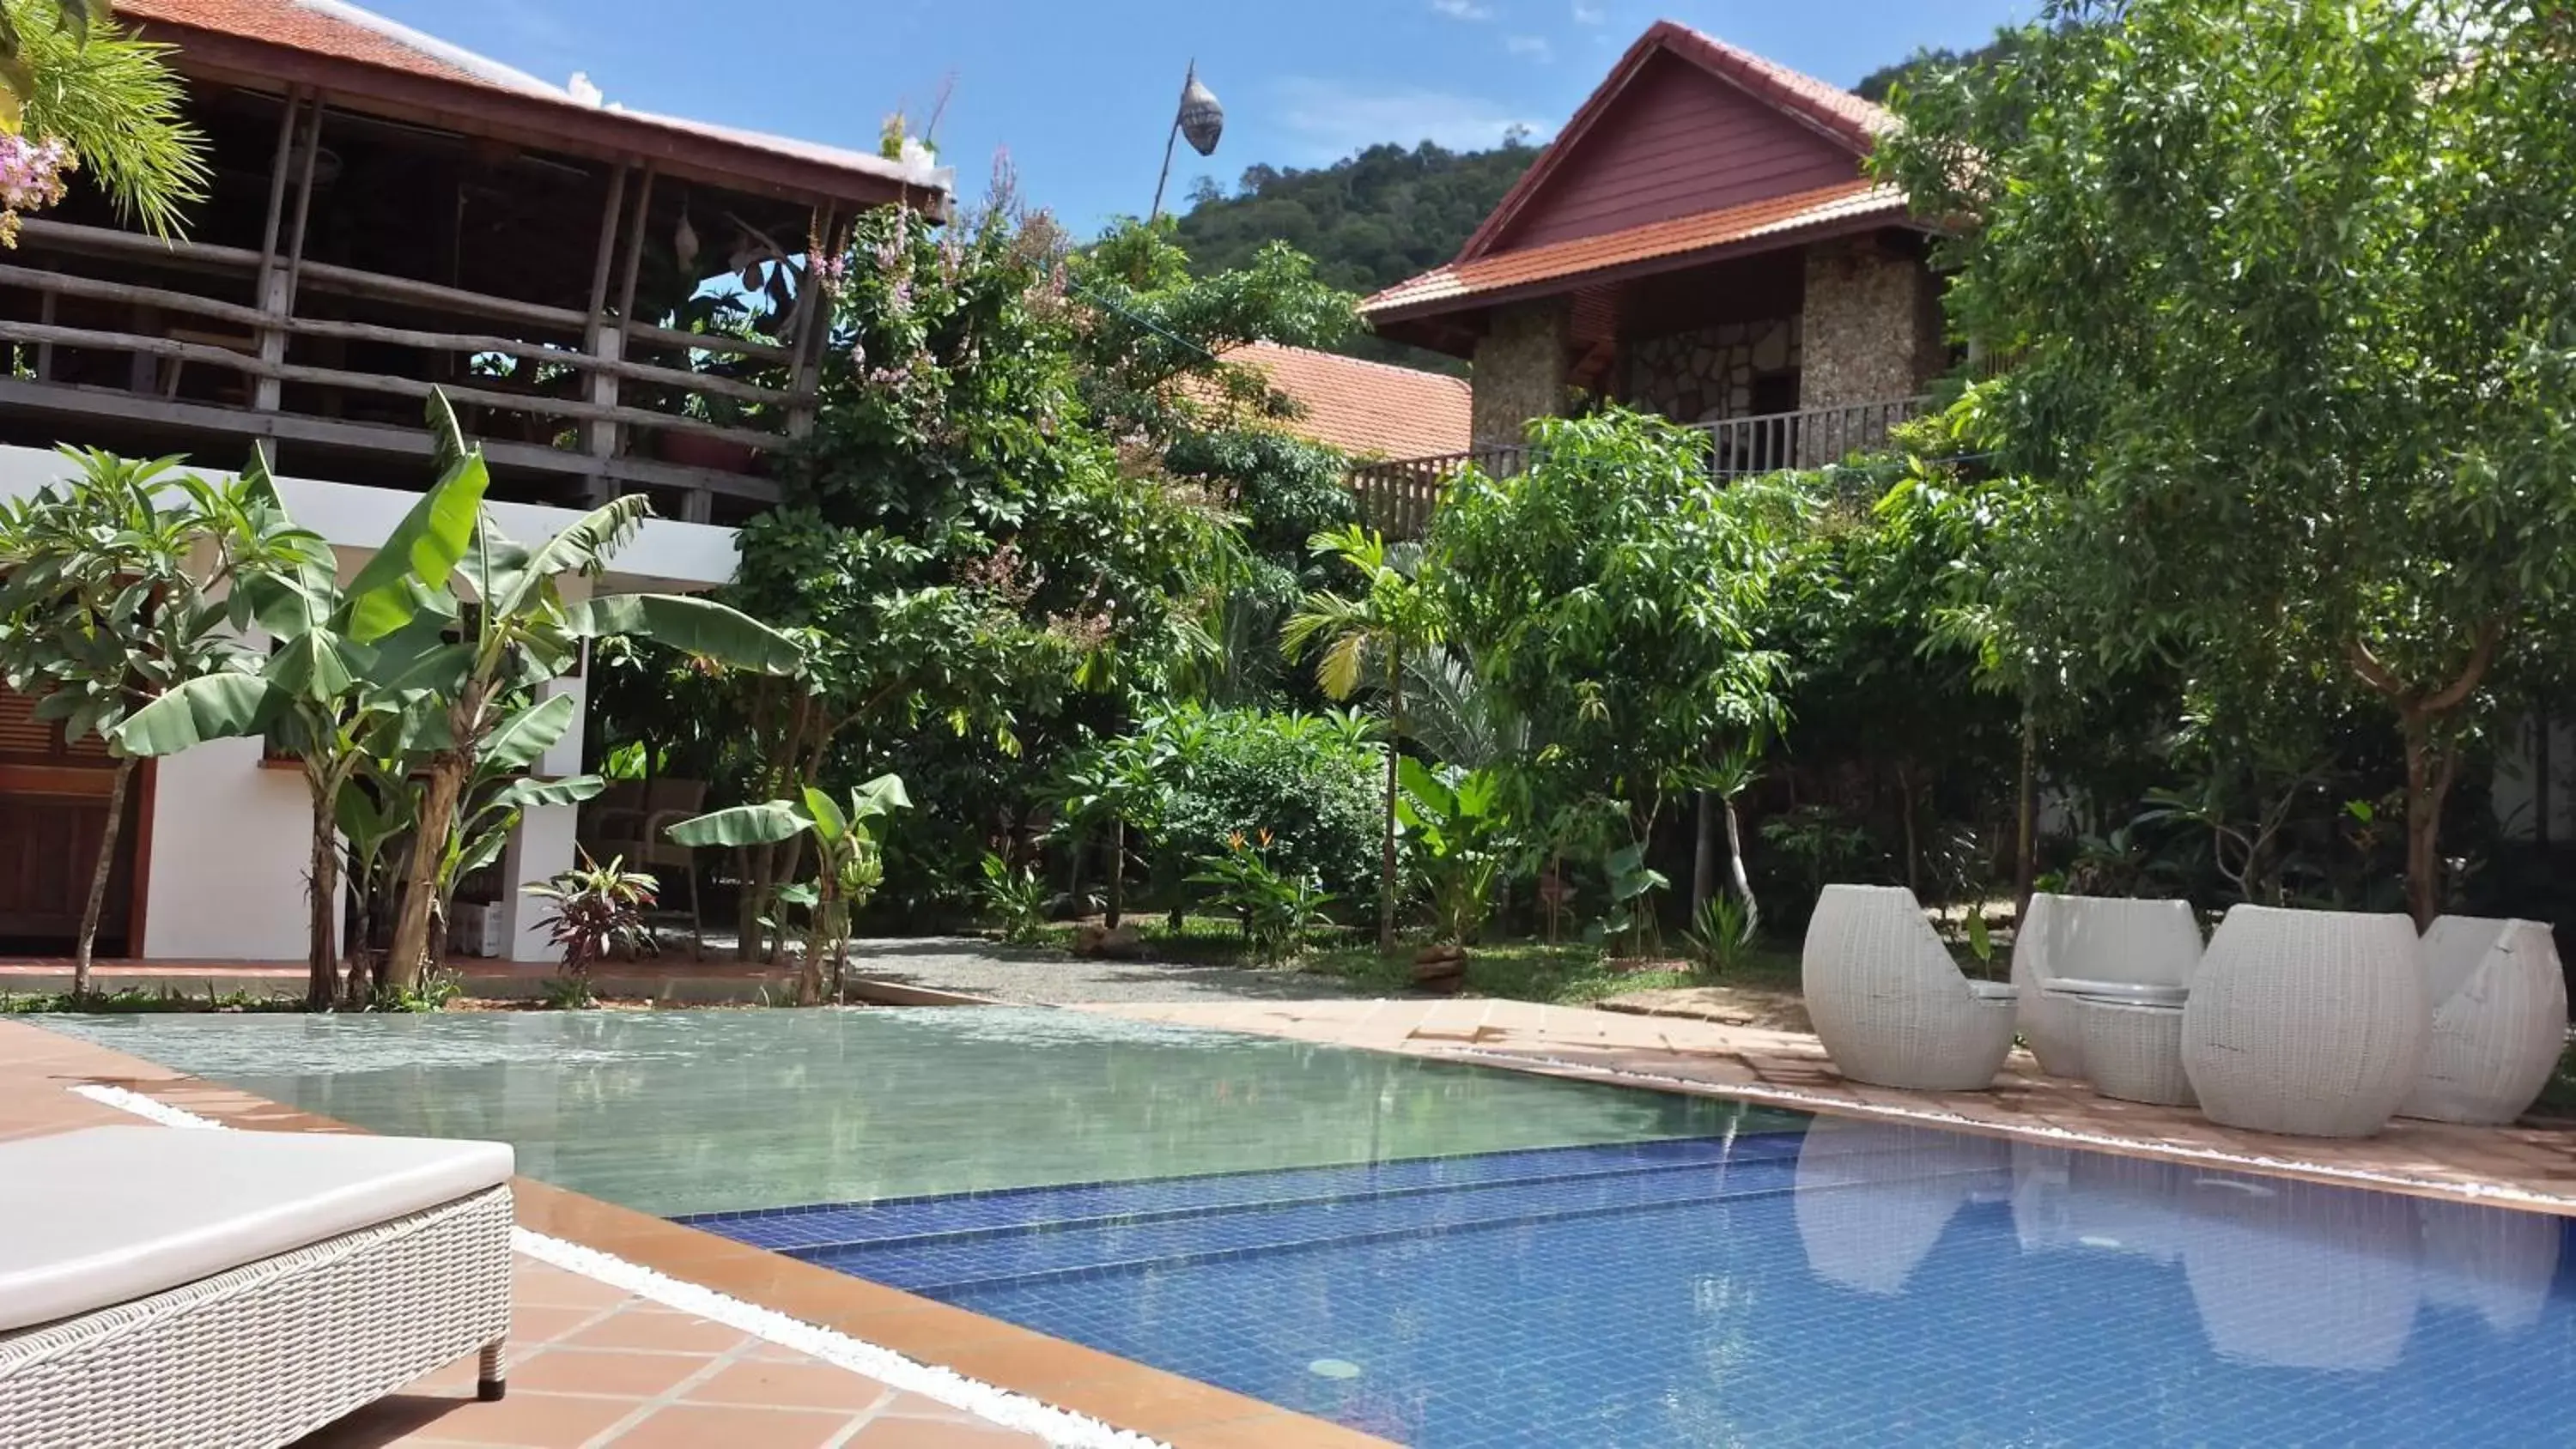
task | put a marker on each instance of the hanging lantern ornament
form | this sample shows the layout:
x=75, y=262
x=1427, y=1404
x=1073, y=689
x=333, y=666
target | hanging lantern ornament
x=684, y=242
x=1202, y=119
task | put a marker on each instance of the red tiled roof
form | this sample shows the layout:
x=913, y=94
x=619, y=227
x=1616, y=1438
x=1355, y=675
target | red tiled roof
x=1848, y=203
x=1826, y=108
x=339, y=31
x=1367, y=409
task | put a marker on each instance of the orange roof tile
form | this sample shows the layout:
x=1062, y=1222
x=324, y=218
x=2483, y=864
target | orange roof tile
x=1845, y=203
x=1366, y=409
x=338, y=30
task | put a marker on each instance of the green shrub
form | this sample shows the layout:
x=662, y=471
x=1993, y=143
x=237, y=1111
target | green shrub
x=1306, y=781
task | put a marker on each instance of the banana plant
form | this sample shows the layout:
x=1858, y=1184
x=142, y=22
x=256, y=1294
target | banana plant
x=322, y=694
x=849, y=864
x=1457, y=823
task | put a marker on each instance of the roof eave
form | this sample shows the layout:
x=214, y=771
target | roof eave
x=1457, y=302
x=477, y=109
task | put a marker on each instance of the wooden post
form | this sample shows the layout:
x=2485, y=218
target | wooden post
x=45, y=350
x=607, y=341
x=277, y=282
x=610, y=440
x=813, y=325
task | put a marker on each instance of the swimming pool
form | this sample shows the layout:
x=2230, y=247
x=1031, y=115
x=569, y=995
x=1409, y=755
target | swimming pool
x=1456, y=1257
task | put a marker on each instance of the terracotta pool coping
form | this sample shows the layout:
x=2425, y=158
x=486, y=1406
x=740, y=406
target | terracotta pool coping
x=1126, y=1395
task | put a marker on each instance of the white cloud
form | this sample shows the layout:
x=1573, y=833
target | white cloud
x=1585, y=14
x=1335, y=118
x=1533, y=46
x=1463, y=9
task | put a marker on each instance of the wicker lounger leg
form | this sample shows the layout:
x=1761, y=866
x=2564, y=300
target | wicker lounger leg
x=491, y=1378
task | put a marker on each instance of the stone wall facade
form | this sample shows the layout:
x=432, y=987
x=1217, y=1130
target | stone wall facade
x=1520, y=371
x=1707, y=374
x=1872, y=326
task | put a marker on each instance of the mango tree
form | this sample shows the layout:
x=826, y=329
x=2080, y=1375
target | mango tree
x=2289, y=296
x=848, y=864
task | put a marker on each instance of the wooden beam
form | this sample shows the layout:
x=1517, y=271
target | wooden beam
x=603, y=341
x=443, y=299
x=65, y=284
x=303, y=202
x=96, y=240
x=635, y=249
x=813, y=324
x=709, y=342
x=277, y=171
x=117, y=406
x=609, y=217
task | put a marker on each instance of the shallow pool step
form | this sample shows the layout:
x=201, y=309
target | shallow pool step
x=1049, y=1250
x=809, y=1231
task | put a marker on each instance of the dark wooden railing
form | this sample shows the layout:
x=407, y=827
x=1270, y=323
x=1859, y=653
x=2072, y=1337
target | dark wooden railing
x=1397, y=498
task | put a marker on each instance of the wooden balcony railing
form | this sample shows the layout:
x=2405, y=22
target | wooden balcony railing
x=1397, y=498
x=590, y=414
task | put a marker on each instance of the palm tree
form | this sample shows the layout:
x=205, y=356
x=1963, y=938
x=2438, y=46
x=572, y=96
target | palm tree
x=75, y=92
x=1393, y=618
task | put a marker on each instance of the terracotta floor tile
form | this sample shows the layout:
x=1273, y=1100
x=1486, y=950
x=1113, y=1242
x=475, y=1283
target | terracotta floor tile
x=540, y=1421
x=807, y=1385
x=655, y=1329
x=540, y=1286
x=695, y=1426
x=889, y=1433
x=633, y=1374
x=394, y=1419
x=532, y=1324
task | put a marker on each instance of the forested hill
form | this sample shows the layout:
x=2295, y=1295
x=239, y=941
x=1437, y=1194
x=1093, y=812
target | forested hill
x=1369, y=221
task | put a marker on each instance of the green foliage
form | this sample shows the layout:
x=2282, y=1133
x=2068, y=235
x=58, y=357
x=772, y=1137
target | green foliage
x=70, y=76
x=1215, y=774
x=1612, y=593
x=1278, y=908
x=1721, y=936
x=435, y=990
x=1458, y=832
x=848, y=844
x=1015, y=898
x=1369, y=221
x=595, y=912
x=2289, y=295
x=1629, y=923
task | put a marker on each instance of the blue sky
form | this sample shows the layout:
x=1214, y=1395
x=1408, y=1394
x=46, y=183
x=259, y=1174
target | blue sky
x=1080, y=93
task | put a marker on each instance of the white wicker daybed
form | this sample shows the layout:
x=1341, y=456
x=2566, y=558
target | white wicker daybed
x=165, y=1286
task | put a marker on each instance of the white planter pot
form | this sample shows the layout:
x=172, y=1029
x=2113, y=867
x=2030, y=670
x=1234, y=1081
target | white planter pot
x=2499, y=1002
x=2311, y=1023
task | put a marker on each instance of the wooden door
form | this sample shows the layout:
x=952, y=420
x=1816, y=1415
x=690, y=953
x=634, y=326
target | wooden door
x=53, y=809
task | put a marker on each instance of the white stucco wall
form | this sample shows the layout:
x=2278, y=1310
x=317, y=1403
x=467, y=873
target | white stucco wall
x=226, y=871
x=226, y=868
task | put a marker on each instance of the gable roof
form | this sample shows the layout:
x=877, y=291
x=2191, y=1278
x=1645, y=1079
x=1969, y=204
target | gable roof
x=1687, y=240
x=1366, y=409
x=1831, y=112
x=348, y=51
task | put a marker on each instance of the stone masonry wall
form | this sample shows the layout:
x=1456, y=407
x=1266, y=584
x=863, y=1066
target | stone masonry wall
x=1703, y=375
x=1872, y=326
x=1520, y=371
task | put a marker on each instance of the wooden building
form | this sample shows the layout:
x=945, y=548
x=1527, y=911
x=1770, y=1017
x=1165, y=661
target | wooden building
x=612, y=299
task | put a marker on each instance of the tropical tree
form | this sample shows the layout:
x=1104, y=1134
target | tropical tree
x=120, y=587
x=849, y=863
x=76, y=93
x=1611, y=594
x=1396, y=616
x=2289, y=294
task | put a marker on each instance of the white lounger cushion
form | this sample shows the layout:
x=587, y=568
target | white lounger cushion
x=95, y=1218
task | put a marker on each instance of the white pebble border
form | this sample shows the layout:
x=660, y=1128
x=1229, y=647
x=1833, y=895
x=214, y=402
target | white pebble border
x=999, y=1406
x=1843, y=1107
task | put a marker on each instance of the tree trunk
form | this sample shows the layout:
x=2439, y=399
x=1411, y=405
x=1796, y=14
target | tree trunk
x=2026, y=820
x=2429, y=772
x=1913, y=849
x=809, y=972
x=98, y=876
x=1735, y=868
x=322, y=953
x=1394, y=751
x=1704, y=852
x=414, y=917
x=1117, y=901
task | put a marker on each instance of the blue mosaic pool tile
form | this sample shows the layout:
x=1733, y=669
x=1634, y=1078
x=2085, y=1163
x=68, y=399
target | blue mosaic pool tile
x=1867, y=1286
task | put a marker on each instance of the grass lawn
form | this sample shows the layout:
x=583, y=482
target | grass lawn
x=1566, y=975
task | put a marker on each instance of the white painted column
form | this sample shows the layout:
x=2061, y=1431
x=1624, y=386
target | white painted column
x=231, y=845
x=541, y=848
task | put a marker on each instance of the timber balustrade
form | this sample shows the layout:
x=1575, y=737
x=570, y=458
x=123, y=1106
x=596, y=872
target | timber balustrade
x=1398, y=497
x=590, y=346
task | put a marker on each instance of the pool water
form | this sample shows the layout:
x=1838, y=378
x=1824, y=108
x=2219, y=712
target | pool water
x=1453, y=1257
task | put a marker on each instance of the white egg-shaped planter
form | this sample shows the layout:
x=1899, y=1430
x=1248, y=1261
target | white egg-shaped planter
x=2499, y=1000
x=2310, y=1023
